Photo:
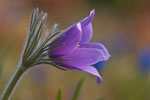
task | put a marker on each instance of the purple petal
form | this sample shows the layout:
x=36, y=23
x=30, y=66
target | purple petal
x=88, y=19
x=87, y=28
x=70, y=40
x=98, y=46
x=91, y=70
x=87, y=33
x=82, y=57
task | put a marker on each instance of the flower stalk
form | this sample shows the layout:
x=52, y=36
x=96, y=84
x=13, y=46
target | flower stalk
x=12, y=83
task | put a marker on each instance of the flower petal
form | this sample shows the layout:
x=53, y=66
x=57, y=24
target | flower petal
x=98, y=46
x=82, y=57
x=87, y=29
x=91, y=70
x=87, y=33
x=70, y=40
x=88, y=19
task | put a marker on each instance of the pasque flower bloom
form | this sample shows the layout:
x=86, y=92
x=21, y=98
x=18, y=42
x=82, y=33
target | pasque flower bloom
x=78, y=52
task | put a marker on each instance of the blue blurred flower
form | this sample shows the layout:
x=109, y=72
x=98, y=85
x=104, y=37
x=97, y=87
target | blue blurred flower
x=144, y=60
x=121, y=44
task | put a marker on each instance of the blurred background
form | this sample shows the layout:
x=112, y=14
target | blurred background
x=123, y=26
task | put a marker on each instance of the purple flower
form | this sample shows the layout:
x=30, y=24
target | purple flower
x=78, y=52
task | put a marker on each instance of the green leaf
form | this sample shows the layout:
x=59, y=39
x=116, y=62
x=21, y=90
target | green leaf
x=33, y=41
x=54, y=29
x=34, y=49
x=50, y=63
x=36, y=33
x=40, y=49
x=59, y=95
x=37, y=36
x=78, y=89
x=54, y=41
x=34, y=18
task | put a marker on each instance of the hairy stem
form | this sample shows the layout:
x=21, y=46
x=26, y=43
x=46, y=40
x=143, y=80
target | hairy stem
x=12, y=83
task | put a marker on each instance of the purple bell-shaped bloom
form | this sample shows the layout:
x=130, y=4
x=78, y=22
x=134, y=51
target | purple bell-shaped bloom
x=77, y=49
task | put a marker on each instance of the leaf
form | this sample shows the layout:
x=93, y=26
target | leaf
x=53, y=47
x=35, y=34
x=34, y=18
x=78, y=89
x=39, y=50
x=50, y=63
x=59, y=95
x=54, y=29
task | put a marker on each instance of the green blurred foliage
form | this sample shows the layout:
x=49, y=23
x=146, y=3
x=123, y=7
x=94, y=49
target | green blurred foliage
x=59, y=95
x=78, y=89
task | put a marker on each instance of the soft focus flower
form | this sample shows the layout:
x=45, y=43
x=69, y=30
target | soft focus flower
x=144, y=60
x=78, y=52
x=121, y=44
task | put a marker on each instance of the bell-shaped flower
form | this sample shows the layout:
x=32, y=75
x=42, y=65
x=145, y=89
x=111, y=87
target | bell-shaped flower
x=77, y=50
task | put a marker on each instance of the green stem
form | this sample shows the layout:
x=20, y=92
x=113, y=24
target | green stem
x=12, y=83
